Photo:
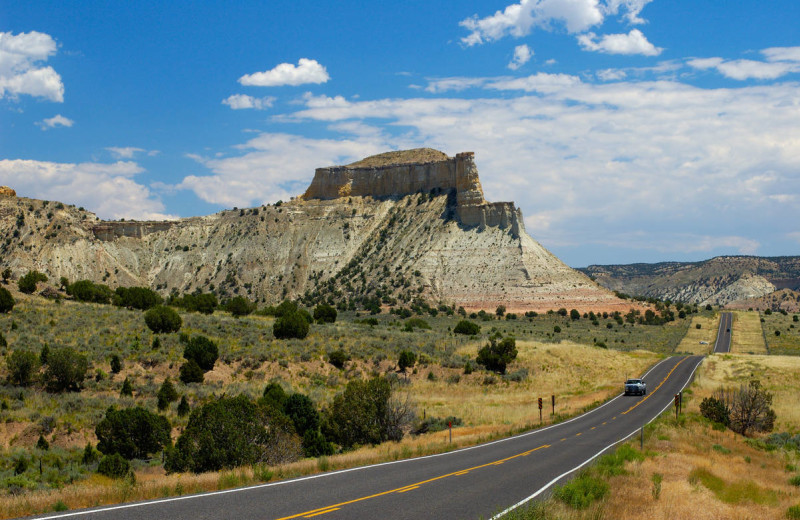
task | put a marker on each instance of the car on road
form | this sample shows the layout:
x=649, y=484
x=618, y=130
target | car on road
x=635, y=387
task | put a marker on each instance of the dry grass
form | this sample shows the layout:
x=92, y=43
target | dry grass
x=746, y=335
x=707, y=332
x=754, y=483
x=780, y=375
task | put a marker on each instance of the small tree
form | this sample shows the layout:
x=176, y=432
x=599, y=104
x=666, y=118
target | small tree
x=324, y=313
x=291, y=325
x=140, y=298
x=467, y=328
x=6, y=275
x=44, y=355
x=27, y=283
x=116, y=364
x=750, y=409
x=301, y=410
x=275, y=396
x=132, y=432
x=42, y=443
x=127, y=388
x=183, y=407
x=574, y=315
x=162, y=319
x=166, y=394
x=407, y=360
x=6, y=301
x=498, y=353
x=22, y=367
x=66, y=370
x=501, y=309
x=203, y=351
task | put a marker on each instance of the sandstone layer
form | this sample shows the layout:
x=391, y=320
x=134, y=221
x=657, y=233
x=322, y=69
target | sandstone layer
x=395, y=231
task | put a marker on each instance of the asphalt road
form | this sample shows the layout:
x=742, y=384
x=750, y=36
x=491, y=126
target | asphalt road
x=473, y=482
x=723, y=343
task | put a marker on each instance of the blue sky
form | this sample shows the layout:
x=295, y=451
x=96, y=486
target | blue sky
x=626, y=130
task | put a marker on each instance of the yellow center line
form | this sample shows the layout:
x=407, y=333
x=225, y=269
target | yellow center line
x=562, y=440
x=409, y=489
x=578, y=434
x=593, y=427
x=656, y=388
x=334, y=507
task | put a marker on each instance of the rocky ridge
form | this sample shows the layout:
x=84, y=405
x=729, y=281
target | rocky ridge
x=386, y=228
x=721, y=280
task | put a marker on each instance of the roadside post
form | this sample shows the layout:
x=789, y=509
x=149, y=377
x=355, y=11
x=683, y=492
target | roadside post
x=641, y=439
x=540, y=410
x=450, y=427
x=677, y=404
x=553, y=401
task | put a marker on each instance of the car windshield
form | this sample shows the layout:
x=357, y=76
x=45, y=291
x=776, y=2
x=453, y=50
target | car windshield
x=633, y=381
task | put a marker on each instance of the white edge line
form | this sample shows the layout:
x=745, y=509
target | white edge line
x=587, y=461
x=331, y=473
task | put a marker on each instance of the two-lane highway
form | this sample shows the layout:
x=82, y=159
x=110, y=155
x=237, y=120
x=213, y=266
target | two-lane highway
x=468, y=483
x=723, y=343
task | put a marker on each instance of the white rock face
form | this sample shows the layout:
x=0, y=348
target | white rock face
x=405, y=231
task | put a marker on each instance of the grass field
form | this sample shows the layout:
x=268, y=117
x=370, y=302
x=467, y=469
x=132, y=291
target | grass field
x=691, y=342
x=782, y=333
x=746, y=334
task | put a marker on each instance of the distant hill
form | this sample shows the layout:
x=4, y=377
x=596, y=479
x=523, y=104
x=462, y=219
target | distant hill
x=722, y=280
x=386, y=230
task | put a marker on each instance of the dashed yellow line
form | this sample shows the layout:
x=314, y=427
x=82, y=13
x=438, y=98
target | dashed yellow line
x=335, y=507
x=577, y=434
x=656, y=388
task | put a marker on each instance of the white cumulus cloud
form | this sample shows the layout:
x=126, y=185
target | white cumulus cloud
x=632, y=43
x=21, y=71
x=522, y=55
x=779, y=61
x=243, y=101
x=107, y=189
x=52, y=122
x=125, y=152
x=306, y=71
x=576, y=16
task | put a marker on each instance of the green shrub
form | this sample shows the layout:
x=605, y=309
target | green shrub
x=88, y=291
x=239, y=306
x=467, y=328
x=324, y=313
x=22, y=367
x=66, y=370
x=275, y=396
x=132, y=432
x=417, y=323
x=581, y=491
x=230, y=432
x=183, y=407
x=202, y=351
x=127, y=388
x=161, y=319
x=166, y=394
x=365, y=413
x=140, y=298
x=204, y=303
x=795, y=480
x=190, y=372
x=498, y=353
x=302, y=412
x=715, y=410
x=793, y=513
x=6, y=301
x=116, y=364
x=338, y=358
x=290, y=325
x=27, y=283
x=407, y=360
x=114, y=466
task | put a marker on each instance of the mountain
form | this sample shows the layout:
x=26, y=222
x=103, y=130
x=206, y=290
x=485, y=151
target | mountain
x=722, y=280
x=396, y=226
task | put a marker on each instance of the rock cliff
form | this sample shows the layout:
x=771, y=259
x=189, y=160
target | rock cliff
x=390, y=228
x=5, y=191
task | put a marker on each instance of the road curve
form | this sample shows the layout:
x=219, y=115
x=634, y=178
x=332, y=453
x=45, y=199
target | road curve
x=472, y=482
x=723, y=343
